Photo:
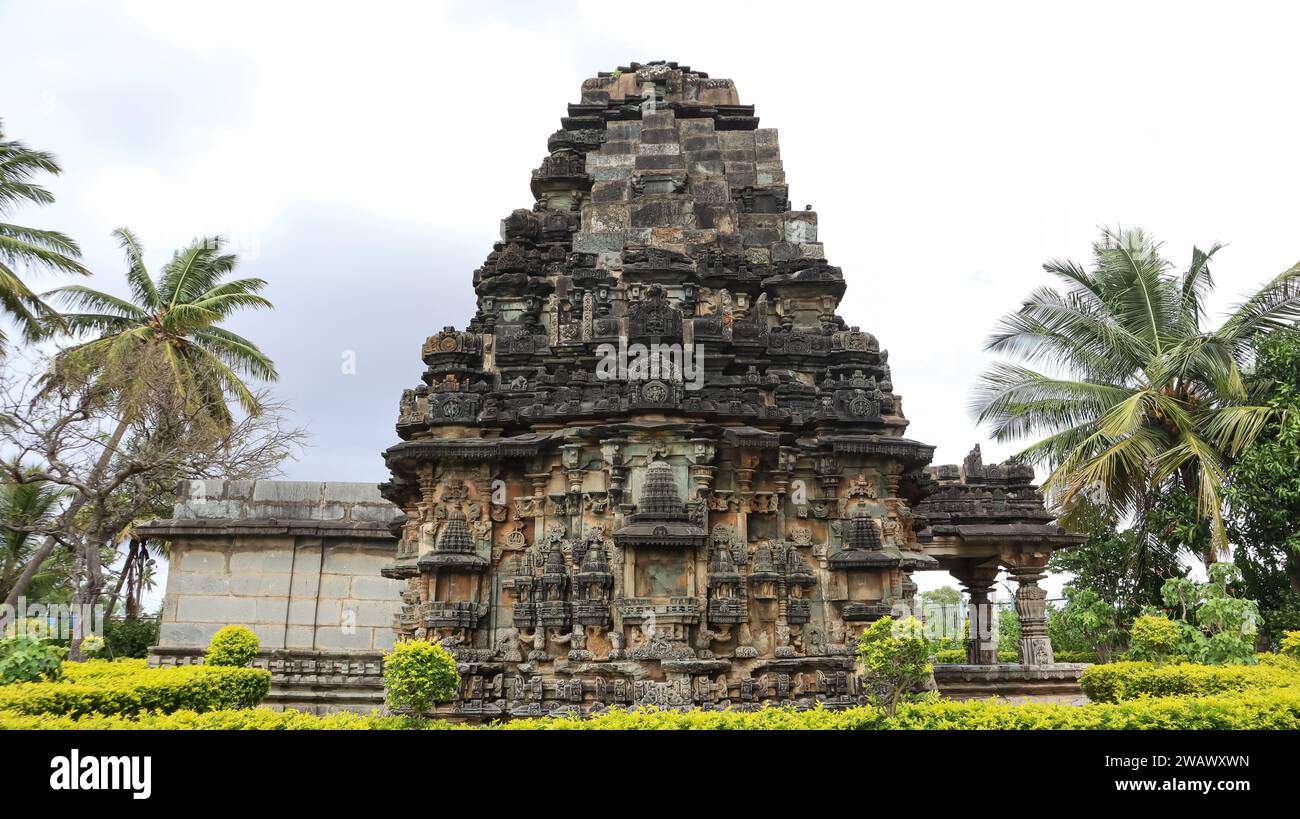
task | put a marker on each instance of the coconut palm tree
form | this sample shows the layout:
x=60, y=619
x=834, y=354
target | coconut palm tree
x=167, y=333
x=1138, y=396
x=172, y=324
x=30, y=248
x=24, y=509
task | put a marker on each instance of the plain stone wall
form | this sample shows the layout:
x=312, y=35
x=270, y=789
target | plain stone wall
x=296, y=591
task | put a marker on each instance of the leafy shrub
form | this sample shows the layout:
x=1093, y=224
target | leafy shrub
x=895, y=655
x=417, y=674
x=1217, y=627
x=1291, y=645
x=30, y=659
x=131, y=637
x=1154, y=637
x=232, y=646
x=105, y=692
x=98, y=669
x=1086, y=623
x=1115, y=682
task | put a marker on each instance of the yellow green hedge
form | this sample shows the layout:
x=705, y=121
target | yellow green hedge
x=103, y=689
x=1116, y=682
x=245, y=719
x=1277, y=709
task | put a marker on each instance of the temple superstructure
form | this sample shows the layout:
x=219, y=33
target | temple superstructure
x=656, y=466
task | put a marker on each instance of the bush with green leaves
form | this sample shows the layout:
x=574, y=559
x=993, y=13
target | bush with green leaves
x=232, y=646
x=895, y=658
x=25, y=658
x=1154, y=638
x=1217, y=626
x=1115, y=682
x=1291, y=645
x=418, y=674
x=131, y=637
x=1086, y=624
x=140, y=690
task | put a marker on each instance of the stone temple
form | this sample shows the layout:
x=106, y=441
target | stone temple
x=656, y=466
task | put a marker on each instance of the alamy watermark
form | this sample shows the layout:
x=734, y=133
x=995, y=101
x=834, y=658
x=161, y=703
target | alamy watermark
x=651, y=362
x=51, y=621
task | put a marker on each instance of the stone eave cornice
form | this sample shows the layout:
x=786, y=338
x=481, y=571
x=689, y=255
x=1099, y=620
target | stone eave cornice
x=1012, y=533
x=167, y=528
x=473, y=449
x=913, y=452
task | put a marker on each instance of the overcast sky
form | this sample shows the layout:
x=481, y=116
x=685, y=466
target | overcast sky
x=360, y=156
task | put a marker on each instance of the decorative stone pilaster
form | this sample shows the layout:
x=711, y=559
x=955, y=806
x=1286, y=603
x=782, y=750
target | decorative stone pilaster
x=1031, y=605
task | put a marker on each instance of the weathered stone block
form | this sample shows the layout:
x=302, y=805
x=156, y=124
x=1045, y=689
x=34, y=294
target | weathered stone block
x=374, y=588
x=658, y=162
x=336, y=637
x=259, y=561
x=604, y=192
x=351, y=560
x=336, y=585
x=200, y=560
x=204, y=608
x=304, y=492
x=259, y=585
x=709, y=191
x=650, y=213
x=599, y=242
x=659, y=149
x=606, y=218
x=800, y=232
x=198, y=583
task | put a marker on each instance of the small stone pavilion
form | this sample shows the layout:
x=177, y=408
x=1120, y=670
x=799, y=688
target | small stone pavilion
x=657, y=466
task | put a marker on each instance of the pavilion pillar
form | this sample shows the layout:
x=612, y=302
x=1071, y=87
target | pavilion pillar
x=982, y=637
x=1031, y=605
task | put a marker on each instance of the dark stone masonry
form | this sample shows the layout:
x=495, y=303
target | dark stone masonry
x=657, y=466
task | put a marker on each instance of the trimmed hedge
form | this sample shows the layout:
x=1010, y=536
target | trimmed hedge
x=102, y=669
x=104, y=691
x=1116, y=682
x=246, y=719
x=1277, y=709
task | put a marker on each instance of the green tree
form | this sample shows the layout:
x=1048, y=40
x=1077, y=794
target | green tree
x=24, y=509
x=1264, y=491
x=163, y=349
x=1123, y=568
x=28, y=248
x=1138, y=395
x=172, y=324
x=895, y=656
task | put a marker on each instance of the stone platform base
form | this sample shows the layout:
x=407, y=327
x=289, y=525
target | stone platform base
x=319, y=682
x=1056, y=683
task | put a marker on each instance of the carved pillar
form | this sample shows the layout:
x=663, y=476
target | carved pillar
x=1031, y=605
x=982, y=640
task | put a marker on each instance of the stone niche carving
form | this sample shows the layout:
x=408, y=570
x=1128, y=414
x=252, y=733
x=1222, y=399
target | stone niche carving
x=579, y=540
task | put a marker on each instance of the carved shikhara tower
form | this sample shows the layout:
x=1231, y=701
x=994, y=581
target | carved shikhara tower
x=580, y=541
